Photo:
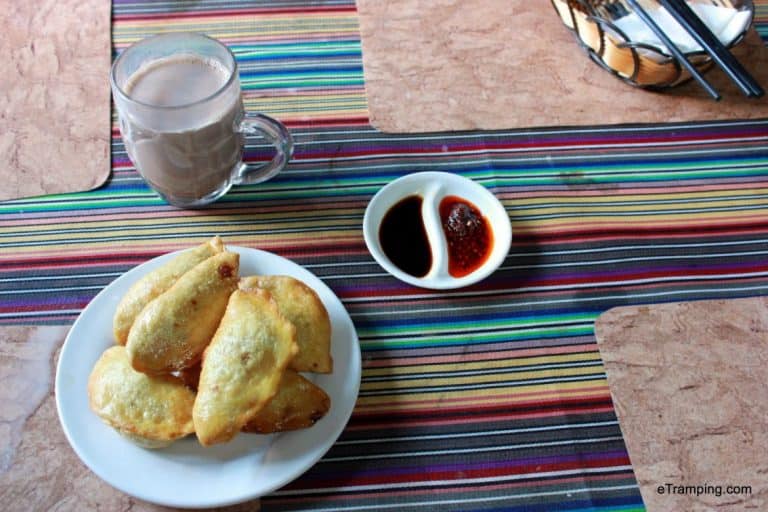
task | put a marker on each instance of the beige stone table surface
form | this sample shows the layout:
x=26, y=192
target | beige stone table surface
x=496, y=64
x=690, y=385
x=54, y=96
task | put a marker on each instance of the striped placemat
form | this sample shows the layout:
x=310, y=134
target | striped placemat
x=491, y=397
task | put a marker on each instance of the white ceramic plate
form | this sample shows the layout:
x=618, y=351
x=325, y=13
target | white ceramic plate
x=186, y=474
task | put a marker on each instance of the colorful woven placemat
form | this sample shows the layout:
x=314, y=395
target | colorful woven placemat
x=491, y=397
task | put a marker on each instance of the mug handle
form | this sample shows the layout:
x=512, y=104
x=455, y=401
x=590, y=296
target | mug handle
x=277, y=134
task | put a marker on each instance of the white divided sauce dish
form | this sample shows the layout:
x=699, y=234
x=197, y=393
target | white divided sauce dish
x=432, y=187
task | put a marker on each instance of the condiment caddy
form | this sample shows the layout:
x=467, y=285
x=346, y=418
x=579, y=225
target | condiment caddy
x=616, y=39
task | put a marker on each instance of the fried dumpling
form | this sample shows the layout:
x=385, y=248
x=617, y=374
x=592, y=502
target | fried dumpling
x=152, y=411
x=190, y=376
x=243, y=365
x=298, y=404
x=172, y=331
x=156, y=282
x=300, y=304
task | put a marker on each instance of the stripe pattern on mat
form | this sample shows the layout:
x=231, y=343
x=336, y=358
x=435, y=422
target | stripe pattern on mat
x=488, y=398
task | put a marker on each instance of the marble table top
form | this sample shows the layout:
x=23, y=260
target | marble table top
x=496, y=64
x=54, y=96
x=690, y=385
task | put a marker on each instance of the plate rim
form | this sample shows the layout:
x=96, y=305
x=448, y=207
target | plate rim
x=355, y=376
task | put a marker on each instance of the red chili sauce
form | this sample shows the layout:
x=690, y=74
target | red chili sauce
x=403, y=237
x=468, y=234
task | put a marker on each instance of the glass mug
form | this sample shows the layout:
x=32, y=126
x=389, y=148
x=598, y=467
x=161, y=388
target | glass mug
x=182, y=119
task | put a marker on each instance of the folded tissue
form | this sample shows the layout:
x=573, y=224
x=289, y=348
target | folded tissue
x=725, y=22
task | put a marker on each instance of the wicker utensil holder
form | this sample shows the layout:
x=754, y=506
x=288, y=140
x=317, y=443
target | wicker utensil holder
x=636, y=63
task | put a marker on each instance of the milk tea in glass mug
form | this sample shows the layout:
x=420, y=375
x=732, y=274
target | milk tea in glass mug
x=182, y=120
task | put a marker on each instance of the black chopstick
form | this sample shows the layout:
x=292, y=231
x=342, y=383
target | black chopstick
x=678, y=54
x=690, y=21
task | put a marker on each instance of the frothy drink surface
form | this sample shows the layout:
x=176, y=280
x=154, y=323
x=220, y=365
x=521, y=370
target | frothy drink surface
x=196, y=156
x=176, y=80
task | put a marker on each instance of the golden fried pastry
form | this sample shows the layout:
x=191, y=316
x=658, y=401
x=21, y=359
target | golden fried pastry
x=152, y=411
x=242, y=366
x=155, y=283
x=298, y=404
x=190, y=376
x=300, y=304
x=172, y=331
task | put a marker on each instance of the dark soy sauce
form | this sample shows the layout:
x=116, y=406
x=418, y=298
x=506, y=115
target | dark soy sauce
x=403, y=237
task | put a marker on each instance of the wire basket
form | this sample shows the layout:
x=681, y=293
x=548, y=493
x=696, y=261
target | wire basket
x=638, y=64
